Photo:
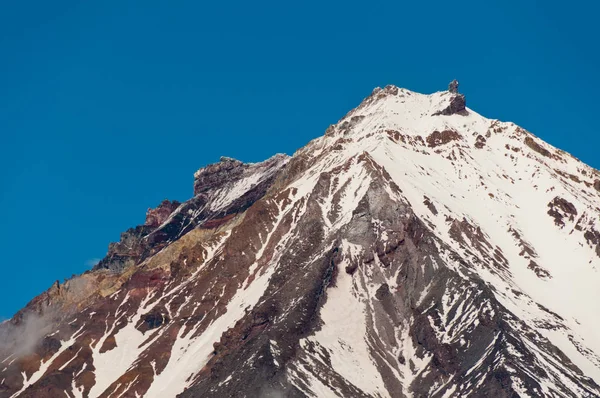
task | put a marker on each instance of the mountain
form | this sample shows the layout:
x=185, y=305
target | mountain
x=417, y=249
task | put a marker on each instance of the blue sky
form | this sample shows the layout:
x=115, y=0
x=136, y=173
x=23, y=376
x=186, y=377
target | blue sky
x=107, y=108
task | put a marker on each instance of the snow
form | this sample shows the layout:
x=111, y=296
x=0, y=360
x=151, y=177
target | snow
x=275, y=352
x=256, y=173
x=190, y=352
x=343, y=335
x=70, y=360
x=224, y=197
x=502, y=187
x=110, y=365
x=44, y=366
x=226, y=380
x=77, y=392
x=498, y=190
x=315, y=387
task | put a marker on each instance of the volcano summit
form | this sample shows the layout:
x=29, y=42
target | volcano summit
x=417, y=249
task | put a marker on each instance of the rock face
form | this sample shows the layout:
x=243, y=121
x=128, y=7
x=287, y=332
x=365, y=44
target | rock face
x=559, y=209
x=457, y=106
x=220, y=190
x=402, y=254
x=213, y=175
x=453, y=86
x=155, y=217
x=532, y=144
x=440, y=138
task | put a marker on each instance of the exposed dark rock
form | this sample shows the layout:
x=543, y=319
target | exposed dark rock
x=480, y=142
x=453, y=86
x=440, y=138
x=391, y=89
x=214, y=175
x=171, y=219
x=50, y=345
x=128, y=251
x=155, y=319
x=526, y=250
x=248, y=292
x=458, y=104
x=560, y=209
x=351, y=268
x=593, y=239
x=348, y=124
x=530, y=142
x=155, y=217
x=430, y=206
x=468, y=235
x=539, y=271
x=382, y=292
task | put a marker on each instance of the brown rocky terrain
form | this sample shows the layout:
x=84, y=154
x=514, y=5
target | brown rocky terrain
x=417, y=249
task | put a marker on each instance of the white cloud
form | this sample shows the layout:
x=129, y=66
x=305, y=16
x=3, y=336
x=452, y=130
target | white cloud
x=92, y=261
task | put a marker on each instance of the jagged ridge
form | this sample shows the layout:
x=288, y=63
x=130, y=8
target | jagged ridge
x=414, y=250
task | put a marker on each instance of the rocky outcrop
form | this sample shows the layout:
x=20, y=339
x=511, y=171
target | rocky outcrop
x=531, y=143
x=220, y=190
x=480, y=141
x=561, y=210
x=229, y=171
x=214, y=175
x=438, y=138
x=374, y=263
x=453, y=86
x=457, y=106
x=130, y=250
x=155, y=217
x=593, y=239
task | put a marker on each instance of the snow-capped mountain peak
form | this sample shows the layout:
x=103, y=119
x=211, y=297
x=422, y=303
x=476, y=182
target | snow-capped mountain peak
x=416, y=249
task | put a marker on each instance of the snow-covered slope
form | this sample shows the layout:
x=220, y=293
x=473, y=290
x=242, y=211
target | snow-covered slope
x=416, y=249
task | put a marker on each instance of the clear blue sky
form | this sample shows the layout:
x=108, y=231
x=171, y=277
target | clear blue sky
x=107, y=108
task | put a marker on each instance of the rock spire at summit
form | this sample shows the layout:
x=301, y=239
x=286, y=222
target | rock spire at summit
x=414, y=250
x=453, y=86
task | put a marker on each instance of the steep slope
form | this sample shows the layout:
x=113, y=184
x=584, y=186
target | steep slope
x=417, y=249
x=220, y=190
